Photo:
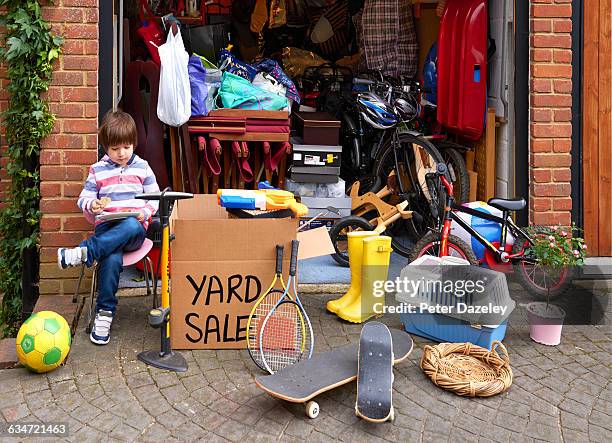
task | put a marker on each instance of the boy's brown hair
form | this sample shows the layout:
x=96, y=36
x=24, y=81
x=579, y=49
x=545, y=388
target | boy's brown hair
x=117, y=128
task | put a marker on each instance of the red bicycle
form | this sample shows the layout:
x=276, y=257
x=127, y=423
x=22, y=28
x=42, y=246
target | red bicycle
x=544, y=282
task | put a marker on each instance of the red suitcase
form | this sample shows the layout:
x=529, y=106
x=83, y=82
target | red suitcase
x=462, y=67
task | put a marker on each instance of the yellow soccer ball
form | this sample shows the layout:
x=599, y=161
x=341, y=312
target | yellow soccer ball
x=43, y=341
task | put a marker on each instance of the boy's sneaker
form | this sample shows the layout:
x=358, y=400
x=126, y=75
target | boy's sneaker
x=100, y=333
x=69, y=257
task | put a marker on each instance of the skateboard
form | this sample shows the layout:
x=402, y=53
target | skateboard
x=303, y=381
x=375, y=374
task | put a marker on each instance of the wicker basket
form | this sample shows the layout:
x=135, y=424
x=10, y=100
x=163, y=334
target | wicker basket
x=467, y=369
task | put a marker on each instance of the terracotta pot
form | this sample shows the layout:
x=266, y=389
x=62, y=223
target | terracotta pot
x=546, y=322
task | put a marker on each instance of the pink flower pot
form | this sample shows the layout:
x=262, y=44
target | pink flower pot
x=545, y=323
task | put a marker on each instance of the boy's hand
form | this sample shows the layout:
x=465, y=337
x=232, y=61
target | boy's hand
x=97, y=206
x=141, y=216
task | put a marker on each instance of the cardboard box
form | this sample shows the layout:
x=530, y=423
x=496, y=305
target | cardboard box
x=220, y=266
x=317, y=128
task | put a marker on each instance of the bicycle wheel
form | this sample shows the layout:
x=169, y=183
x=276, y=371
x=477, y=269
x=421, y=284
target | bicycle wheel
x=417, y=159
x=458, y=170
x=430, y=245
x=338, y=235
x=544, y=283
x=402, y=240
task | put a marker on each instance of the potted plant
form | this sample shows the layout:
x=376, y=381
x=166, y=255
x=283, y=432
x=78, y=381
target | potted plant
x=557, y=250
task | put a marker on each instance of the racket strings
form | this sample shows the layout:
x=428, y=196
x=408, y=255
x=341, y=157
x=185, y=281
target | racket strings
x=259, y=314
x=283, y=339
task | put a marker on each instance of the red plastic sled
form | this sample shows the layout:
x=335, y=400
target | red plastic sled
x=462, y=67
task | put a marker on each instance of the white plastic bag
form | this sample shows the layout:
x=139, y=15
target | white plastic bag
x=174, y=99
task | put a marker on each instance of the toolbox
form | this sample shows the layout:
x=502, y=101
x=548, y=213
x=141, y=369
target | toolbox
x=317, y=128
x=315, y=155
x=317, y=205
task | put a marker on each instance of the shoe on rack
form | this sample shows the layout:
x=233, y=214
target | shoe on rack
x=69, y=257
x=100, y=333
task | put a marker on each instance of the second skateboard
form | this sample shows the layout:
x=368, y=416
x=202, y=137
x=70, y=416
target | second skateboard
x=375, y=374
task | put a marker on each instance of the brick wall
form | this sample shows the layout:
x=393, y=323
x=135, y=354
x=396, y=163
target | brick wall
x=550, y=115
x=67, y=153
x=71, y=148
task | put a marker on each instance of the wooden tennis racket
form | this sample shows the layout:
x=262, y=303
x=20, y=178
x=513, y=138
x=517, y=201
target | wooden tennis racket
x=286, y=336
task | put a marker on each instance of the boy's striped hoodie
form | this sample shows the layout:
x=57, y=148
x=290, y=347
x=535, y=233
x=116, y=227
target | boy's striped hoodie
x=107, y=179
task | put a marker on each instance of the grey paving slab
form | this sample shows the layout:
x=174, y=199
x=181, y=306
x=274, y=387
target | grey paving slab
x=560, y=393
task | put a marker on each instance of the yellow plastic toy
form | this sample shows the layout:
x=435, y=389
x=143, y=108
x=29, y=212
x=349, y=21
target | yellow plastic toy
x=263, y=199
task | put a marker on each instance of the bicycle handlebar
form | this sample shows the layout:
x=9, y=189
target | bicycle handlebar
x=164, y=195
x=363, y=81
x=441, y=169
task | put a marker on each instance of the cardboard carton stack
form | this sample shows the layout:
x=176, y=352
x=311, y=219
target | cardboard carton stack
x=316, y=150
x=315, y=169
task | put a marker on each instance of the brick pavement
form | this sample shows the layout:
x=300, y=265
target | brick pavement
x=559, y=393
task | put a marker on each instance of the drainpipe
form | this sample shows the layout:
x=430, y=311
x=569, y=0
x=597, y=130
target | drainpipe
x=29, y=256
x=503, y=86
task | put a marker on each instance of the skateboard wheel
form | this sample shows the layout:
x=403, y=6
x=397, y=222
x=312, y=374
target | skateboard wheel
x=392, y=414
x=312, y=409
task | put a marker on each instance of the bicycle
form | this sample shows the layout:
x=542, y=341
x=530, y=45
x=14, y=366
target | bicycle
x=409, y=180
x=542, y=282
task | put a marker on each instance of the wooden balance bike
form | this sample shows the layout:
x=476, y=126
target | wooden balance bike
x=369, y=212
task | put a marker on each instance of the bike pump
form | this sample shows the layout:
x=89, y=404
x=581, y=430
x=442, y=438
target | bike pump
x=164, y=358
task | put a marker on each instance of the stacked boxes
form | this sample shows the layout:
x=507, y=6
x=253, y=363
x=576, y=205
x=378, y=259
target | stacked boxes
x=315, y=171
x=316, y=150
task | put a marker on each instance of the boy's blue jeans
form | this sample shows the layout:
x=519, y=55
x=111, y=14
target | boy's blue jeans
x=106, y=247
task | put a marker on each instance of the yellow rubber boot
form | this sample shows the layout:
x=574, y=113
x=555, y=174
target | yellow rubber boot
x=355, y=252
x=376, y=255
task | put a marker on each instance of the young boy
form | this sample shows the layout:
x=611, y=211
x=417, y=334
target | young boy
x=111, y=186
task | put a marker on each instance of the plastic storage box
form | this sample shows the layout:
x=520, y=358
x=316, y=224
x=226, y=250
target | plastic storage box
x=477, y=328
x=316, y=205
x=438, y=327
x=323, y=190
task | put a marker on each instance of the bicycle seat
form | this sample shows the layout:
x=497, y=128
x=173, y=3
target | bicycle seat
x=515, y=204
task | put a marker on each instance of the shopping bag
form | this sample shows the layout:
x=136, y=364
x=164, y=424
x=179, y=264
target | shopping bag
x=272, y=68
x=208, y=40
x=174, y=99
x=204, y=84
x=149, y=31
x=228, y=62
x=237, y=92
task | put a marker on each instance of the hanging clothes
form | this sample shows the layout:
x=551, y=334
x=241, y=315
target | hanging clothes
x=388, y=37
x=335, y=44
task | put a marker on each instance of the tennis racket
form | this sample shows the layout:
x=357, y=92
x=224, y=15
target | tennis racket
x=262, y=307
x=286, y=332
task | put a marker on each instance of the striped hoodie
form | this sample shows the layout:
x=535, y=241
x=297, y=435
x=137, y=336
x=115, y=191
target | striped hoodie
x=107, y=179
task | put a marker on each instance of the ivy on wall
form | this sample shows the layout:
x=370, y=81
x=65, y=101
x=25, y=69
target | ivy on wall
x=28, y=49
